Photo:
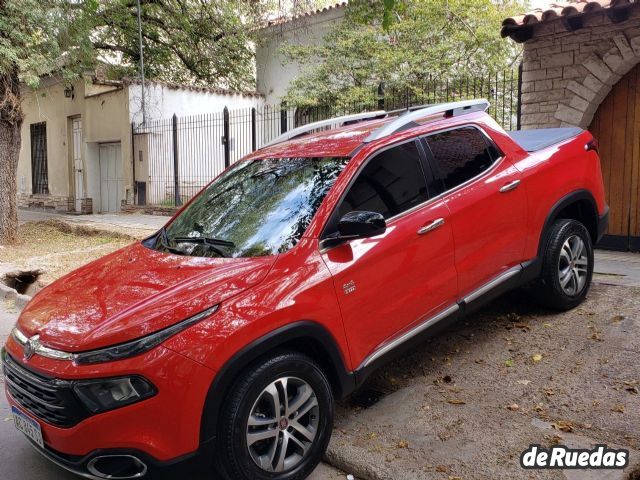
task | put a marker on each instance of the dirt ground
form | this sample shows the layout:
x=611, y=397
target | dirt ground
x=468, y=402
x=56, y=247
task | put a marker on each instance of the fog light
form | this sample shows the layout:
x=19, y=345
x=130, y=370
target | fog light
x=109, y=393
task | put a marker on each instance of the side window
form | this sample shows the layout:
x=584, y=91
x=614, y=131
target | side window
x=461, y=154
x=392, y=182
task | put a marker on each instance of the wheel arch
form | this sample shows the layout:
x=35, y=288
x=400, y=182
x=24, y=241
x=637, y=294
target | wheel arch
x=303, y=336
x=578, y=205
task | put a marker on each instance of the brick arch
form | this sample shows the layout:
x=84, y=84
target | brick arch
x=584, y=97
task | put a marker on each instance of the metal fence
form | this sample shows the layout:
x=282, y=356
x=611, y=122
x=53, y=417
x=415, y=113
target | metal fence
x=176, y=157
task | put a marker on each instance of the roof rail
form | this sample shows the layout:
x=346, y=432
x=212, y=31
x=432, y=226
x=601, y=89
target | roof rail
x=330, y=122
x=413, y=116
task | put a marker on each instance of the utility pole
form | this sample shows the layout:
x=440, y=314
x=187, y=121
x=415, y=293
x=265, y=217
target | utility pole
x=144, y=113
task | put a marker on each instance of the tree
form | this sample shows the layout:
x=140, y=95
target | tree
x=399, y=45
x=36, y=37
x=202, y=42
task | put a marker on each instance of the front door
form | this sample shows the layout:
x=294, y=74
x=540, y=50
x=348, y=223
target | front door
x=78, y=171
x=487, y=204
x=110, y=177
x=391, y=282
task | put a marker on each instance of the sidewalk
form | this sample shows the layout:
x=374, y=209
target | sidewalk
x=617, y=268
x=136, y=224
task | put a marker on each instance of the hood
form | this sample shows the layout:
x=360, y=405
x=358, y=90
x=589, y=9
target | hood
x=131, y=293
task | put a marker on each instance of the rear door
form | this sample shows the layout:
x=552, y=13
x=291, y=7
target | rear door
x=391, y=282
x=482, y=190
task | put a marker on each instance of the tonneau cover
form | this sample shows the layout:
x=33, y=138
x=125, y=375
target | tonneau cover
x=534, y=140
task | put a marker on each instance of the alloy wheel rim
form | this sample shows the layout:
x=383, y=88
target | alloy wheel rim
x=573, y=266
x=283, y=424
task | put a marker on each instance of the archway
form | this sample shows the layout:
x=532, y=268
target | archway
x=616, y=125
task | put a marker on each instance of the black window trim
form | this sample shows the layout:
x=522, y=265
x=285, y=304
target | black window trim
x=436, y=171
x=423, y=163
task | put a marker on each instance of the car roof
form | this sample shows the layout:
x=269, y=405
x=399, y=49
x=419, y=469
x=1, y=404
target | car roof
x=336, y=142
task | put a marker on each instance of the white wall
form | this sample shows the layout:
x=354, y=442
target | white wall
x=272, y=75
x=163, y=101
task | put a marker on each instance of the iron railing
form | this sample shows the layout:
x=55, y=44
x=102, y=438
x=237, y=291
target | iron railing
x=176, y=157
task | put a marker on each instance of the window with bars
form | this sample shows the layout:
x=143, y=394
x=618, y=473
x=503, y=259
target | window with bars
x=39, y=172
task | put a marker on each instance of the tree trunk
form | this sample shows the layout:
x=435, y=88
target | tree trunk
x=10, y=123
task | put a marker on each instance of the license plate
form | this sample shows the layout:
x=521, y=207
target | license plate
x=28, y=426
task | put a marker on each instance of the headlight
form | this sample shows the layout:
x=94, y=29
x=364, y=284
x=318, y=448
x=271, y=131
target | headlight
x=140, y=345
x=109, y=393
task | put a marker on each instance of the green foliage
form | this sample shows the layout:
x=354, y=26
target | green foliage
x=184, y=40
x=40, y=36
x=400, y=44
x=205, y=42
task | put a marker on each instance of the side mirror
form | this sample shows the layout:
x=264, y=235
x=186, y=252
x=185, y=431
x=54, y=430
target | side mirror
x=361, y=225
x=357, y=225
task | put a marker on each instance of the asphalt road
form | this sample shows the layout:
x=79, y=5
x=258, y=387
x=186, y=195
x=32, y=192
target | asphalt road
x=20, y=461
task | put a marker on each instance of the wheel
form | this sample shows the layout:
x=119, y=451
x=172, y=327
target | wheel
x=567, y=266
x=276, y=421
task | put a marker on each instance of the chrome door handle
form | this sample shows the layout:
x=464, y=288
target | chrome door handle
x=509, y=186
x=432, y=226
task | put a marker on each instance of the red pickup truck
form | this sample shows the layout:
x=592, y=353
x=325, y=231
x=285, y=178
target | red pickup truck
x=292, y=276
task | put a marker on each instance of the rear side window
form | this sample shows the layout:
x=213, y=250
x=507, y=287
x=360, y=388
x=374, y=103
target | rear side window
x=461, y=154
x=391, y=183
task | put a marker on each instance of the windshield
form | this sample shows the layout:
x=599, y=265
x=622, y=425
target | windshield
x=259, y=207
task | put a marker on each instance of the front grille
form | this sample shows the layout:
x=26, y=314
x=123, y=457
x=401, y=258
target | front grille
x=49, y=399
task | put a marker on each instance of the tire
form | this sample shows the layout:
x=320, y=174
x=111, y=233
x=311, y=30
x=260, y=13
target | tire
x=309, y=406
x=567, y=266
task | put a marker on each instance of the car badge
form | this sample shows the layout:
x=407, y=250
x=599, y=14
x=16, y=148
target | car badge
x=349, y=287
x=31, y=346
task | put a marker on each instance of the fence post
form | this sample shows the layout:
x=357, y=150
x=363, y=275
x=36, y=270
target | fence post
x=176, y=175
x=254, y=130
x=225, y=137
x=519, y=110
x=381, y=96
x=283, y=118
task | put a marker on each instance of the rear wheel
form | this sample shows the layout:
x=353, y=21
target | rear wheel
x=567, y=266
x=277, y=420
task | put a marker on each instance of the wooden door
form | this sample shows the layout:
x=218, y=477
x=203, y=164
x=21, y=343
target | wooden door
x=616, y=125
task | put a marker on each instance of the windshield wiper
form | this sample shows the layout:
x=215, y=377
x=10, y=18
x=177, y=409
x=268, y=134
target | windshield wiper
x=163, y=240
x=213, y=243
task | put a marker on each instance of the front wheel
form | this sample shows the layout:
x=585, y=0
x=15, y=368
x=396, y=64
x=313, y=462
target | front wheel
x=277, y=420
x=567, y=266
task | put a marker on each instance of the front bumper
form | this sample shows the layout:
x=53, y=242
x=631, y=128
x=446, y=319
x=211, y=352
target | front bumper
x=160, y=429
x=80, y=465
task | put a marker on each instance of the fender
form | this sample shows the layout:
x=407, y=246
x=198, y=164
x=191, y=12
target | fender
x=533, y=268
x=564, y=202
x=307, y=334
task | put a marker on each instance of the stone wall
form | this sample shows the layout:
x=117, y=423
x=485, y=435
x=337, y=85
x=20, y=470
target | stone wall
x=567, y=74
x=57, y=203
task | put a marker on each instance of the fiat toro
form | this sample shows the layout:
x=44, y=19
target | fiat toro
x=290, y=278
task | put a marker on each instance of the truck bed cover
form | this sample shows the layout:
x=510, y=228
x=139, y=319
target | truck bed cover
x=534, y=140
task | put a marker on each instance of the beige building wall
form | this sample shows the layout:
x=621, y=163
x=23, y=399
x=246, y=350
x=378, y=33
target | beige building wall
x=274, y=73
x=104, y=112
